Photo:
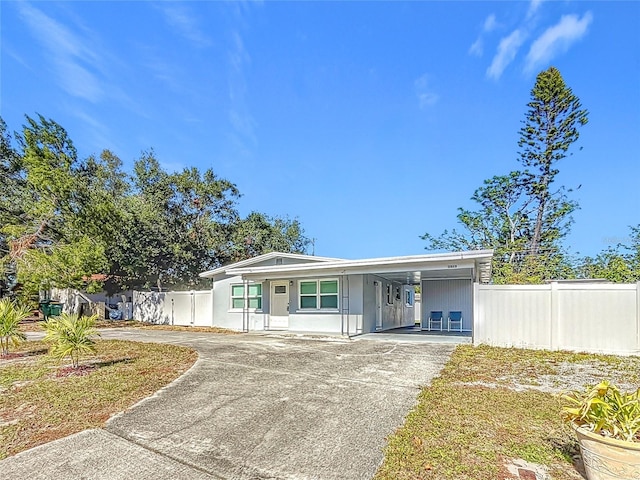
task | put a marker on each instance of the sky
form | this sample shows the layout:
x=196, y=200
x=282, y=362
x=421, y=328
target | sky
x=370, y=122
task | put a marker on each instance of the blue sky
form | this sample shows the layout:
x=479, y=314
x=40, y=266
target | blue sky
x=371, y=122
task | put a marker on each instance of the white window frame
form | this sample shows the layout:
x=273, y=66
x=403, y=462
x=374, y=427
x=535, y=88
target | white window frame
x=409, y=297
x=389, y=293
x=233, y=297
x=318, y=295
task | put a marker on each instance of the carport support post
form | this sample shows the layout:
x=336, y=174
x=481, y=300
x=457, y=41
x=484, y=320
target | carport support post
x=245, y=309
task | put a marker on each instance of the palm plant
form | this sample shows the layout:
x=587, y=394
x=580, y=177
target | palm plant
x=10, y=317
x=71, y=336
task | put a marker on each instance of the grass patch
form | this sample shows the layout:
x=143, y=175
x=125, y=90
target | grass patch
x=493, y=405
x=36, y=326
x=38, y=405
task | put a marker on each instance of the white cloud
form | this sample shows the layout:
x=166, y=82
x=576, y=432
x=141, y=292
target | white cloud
x=490, y=23
x=99, y=135
x=533, y=8
x=75, y=63
x=185, y=23
x=477, y=47
x=240, y=117
x=557, y=39
x=507, y=50
x=426, y=96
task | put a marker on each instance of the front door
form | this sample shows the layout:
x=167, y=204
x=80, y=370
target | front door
x=378, y=286
x=279, y=319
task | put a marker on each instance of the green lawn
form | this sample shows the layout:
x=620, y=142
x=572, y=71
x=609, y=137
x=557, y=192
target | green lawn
x=491, y=406
x=40, y=400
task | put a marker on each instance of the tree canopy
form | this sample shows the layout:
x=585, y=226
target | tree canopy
x=617, y=264
x=522, y=215
x=67, y=222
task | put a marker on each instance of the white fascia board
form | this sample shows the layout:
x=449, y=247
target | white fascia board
x=261, y=258
x=338, y=271
x=379, y=265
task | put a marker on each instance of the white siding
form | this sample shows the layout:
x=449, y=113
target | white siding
x=447, y=296
x=225, y=317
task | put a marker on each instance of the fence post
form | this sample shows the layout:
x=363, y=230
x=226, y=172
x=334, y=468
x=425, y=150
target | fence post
x=476, y=312
x=553, y=326
x=193, y=308
x=212, y=304
x=638, y=317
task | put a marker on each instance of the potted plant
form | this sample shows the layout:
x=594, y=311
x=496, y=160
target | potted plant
x=607, y=424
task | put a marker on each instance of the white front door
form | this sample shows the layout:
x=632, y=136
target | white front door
x=279, y=319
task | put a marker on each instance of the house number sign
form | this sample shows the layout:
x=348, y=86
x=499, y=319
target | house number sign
x=452, y=266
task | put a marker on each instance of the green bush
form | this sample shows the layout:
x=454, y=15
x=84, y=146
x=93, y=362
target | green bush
x=605, y=410
x=10, y=317
x=71, y=336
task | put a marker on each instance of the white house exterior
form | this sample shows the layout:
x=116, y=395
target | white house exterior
x=282, y=291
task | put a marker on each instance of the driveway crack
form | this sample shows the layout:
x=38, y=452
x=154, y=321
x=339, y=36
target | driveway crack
x=170, y=457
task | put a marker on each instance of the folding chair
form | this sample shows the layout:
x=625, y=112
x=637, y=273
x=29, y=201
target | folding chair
x=435, y=317
x=454, y=317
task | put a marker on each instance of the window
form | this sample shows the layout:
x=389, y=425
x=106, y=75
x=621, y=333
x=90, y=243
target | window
x=408, y=298
x=389, y=294
x=319, y=294
x=254, y=296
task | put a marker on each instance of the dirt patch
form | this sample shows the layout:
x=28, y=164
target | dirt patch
x=78, y=371
x=13, y=356
x=568, y=376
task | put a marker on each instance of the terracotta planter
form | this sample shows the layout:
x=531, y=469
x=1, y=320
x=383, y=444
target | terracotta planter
x=608, y=459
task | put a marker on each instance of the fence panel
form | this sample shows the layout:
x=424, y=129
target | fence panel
x=150, y=307
x=597, y=318
x=173, y=308
x=582, y=317
x=203, y=308
x=511, y=315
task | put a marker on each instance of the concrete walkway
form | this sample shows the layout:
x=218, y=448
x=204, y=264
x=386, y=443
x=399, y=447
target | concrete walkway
x=252, y=407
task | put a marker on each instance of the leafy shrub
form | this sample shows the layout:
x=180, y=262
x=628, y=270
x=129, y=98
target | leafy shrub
x=605, y=410
x=71, y=336
x=10, y=317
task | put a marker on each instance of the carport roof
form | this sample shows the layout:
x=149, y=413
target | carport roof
x=410, y=267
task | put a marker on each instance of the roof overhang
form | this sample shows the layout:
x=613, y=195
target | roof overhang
x=261, y=258
x=409, y=267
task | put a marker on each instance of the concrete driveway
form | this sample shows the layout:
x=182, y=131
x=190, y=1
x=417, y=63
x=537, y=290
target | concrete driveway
x=252, y=407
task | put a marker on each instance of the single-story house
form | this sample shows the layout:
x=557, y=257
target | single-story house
x=284, y=291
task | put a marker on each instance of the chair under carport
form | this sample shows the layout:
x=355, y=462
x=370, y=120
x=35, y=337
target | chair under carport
x=455, y=317
x=435, y=317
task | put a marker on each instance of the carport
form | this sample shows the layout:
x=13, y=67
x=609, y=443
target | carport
x=371, y=295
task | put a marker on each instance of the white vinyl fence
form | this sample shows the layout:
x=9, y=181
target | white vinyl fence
x=174, y=308
x=559, y=316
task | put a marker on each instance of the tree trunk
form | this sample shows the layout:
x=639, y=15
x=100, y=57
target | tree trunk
x=537, y=231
